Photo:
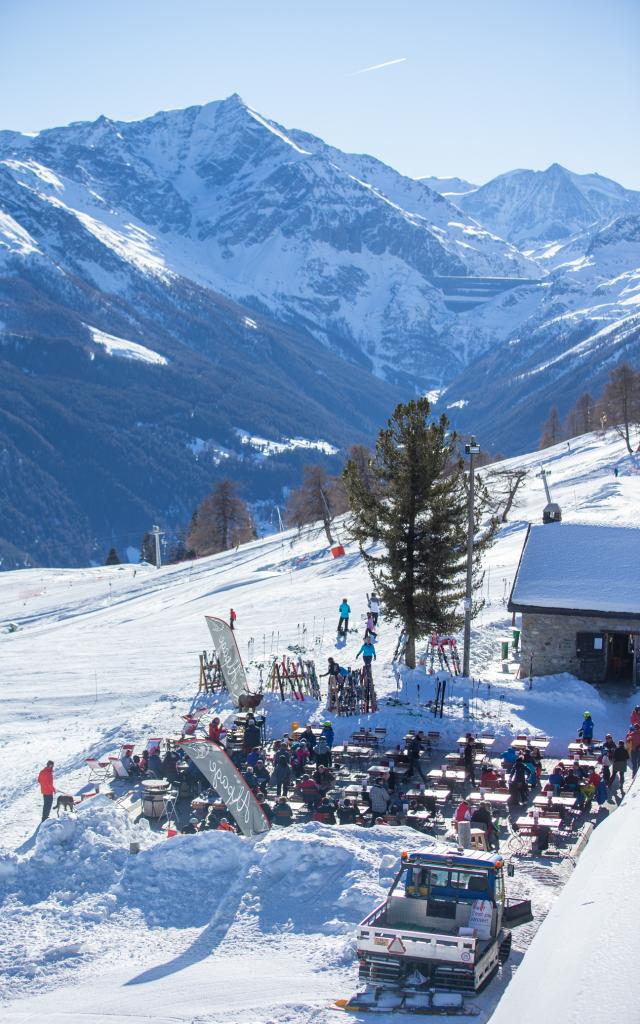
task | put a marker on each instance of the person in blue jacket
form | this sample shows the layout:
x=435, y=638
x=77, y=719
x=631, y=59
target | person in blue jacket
x=368, y=653
x=328, y=733
x=343, y=622
x=586, y=730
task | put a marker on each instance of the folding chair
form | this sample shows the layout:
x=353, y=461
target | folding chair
x=99, y=771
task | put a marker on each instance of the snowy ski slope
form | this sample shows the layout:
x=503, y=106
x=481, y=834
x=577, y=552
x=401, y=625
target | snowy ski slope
x=211, y=927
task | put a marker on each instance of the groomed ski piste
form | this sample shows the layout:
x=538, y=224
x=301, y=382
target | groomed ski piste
x=213, y=927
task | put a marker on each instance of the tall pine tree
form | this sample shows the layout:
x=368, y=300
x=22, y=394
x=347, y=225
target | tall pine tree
x=221, y=521
x=417, y=510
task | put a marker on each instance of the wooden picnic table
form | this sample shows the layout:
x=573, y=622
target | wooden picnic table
x=527, y=824
x=579, y=746
x=540, y=742
x=396, y=755
x=382, y=769
x=297, y=733
x=484, y=741
x=418, y=817
x=490, y=797
x=419, y=795
x=354, y=752
x=448, y=774
x=542, y=800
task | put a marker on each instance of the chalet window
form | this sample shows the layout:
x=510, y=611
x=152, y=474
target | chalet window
x=590, y=645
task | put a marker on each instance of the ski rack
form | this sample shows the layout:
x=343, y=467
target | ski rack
x=355, y=694
x=293, y=677
x=211, y=678
x=445, y=649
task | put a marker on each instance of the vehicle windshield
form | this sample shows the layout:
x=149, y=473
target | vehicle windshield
x=454, y=883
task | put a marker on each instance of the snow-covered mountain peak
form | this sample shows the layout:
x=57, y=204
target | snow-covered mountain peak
x=528, y=207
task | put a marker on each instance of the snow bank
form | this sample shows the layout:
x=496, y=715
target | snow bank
x=583, y=961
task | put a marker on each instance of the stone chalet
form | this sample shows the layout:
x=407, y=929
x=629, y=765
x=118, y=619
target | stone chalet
x=578, y=590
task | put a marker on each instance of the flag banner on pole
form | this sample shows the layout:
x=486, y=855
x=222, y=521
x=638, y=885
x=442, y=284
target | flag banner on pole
x=228, y=655
x=228, y=783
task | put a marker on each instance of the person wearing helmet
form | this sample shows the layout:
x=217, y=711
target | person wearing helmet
x=327, y=732
x=585, y=732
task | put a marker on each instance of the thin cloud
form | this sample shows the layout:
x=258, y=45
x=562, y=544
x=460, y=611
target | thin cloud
x=376, y=67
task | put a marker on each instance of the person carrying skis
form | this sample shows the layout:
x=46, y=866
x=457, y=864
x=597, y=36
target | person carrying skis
x=585, y=732
x=374, y=607
x=343, y=622
x=368, y=653
x=47, y=788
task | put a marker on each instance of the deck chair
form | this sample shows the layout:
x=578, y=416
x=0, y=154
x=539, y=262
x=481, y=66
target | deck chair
x=119, y=770
x=99, y=771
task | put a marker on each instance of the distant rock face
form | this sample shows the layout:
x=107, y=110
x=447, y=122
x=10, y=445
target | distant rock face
x=168, y=284
x=449, y=187
x=528, y=207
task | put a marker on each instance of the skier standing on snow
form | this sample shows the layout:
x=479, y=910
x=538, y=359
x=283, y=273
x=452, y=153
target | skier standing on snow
x=232, y=618
x=374, y=607
x=368, y=653
x=370, y=629
x=47, y=788
x=343, y=622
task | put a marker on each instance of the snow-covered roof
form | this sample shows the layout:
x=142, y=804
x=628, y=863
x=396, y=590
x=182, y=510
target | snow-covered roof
x=579, y=567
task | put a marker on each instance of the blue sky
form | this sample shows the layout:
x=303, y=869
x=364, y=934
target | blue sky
x=485, y=86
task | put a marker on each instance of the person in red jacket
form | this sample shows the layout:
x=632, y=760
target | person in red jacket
x=216, y=731
x=47, y=788
x=232, y=618
x=225, y=826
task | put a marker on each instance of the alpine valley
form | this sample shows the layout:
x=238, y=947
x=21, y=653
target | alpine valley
x=206, y=293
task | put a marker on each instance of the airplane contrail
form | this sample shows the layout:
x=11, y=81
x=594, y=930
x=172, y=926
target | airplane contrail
x=376, y=67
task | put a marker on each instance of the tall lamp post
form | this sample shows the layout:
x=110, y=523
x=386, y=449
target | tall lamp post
x=471, y=449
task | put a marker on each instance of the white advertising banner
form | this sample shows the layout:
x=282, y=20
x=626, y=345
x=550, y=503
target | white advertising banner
x=480, y=918
x=228, y=783
x=226, y=648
